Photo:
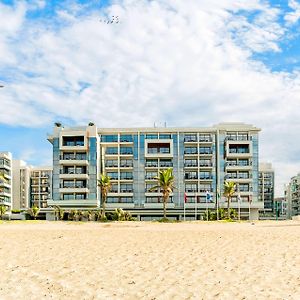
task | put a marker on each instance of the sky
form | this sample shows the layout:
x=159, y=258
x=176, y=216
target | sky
x=187, y=63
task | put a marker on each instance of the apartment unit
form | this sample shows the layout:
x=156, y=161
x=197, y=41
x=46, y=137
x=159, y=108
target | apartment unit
x=266, y=186
x=292, y=195
x=6, y=184
x=201, y=158
x=40, y=186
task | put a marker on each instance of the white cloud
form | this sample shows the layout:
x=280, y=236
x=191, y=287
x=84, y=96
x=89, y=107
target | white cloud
x=186, y=62
x=293, y=17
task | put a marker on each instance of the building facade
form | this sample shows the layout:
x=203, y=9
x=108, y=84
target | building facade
x=292, y=195
x=6, y=184
x=266, y=186
x=201, y=159
x=40, y=186
x=21, y=185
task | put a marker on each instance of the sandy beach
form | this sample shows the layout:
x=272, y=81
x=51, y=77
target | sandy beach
x=140, y=260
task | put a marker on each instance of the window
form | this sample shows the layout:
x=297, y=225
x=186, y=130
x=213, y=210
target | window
x=126, y=200
x=205, y=187
x=111, y=163
x=152, y=163
x=190, y=162
x=126, y=150
x=205, y=138
x=126, y=175
x=126, y=163
x=126, y=138
x=73, y=141
x=109, y=138
x=154, y=148
x=114, y=188
x=150, y=186
x=165, y=163
x=231, y=175
x=112, y=200
x=205, y=150
x=80, y=196
x=190, y=137
x=205, y=175
x=191, y=175
x=165, y=136
x=205, y=163
x=113, y=175
x=244, y=175
x=190, y=150
x=151, y=175
x=126, y=188
x=243, y=187
x=111, y=150
x=81, y=156
x=151, y=136
x=68, y=196
x=239, y=149
x=191, y=187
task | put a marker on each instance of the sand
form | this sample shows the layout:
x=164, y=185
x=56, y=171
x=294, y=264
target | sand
x=140, y=260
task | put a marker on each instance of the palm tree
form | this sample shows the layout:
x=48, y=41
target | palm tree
x=105, y=186
x=166, y=185
x=34, y=211
x=229, y=190
x=59, y=212
x=2, y=178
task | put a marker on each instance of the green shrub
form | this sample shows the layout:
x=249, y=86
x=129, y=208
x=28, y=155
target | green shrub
x=16, y=211
x=121, y=215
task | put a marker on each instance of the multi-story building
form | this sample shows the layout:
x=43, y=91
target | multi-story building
x=21, y=185
x=6, y=185
x=266, y=186
x=201, y=158
x=40, y=186
x=292, y=195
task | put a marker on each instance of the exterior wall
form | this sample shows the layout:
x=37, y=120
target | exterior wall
x=133, y=156
x=292, y=194
x=6, y=187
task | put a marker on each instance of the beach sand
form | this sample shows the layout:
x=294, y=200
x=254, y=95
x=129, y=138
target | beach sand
x=140, y=260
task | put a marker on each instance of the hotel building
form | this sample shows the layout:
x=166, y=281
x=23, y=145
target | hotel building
x=266, y=186
x=6, y=185
x=201, y=158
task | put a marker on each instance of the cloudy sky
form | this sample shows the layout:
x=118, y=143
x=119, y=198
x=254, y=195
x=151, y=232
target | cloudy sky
x=189, y=63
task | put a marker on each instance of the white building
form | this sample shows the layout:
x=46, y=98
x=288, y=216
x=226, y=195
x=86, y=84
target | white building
x=6, y=185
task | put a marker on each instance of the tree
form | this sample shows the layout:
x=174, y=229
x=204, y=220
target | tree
x=229, y=190
x=3, y=210
x=59, y=212
x=105, y=185
x=34, y=211
x=166, y=185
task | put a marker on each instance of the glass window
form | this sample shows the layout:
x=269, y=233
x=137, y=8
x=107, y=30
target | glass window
x=165, y=136
x=152, y=163
x=68, y=196
x=191, y=175
x=205, y=187
x=126, y=163
x=126, y=138
x=190, y=137
x=73, y=141
x=190, y=162
x=205, y=163
x=190, y=150
x=111, y=163
x=166, y=163
x=126, y=188
x=126, y=175
x=205, y=150
x=191, y=187
x=113, y=175
x=205, y=138
x=111, y=150
x=109, y=138
x=151, y=175
x=151, y=136
x=80, y=196
x=205, y=175
x=126, y=150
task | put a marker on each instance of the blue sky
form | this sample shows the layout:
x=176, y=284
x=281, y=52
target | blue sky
x=189, y=63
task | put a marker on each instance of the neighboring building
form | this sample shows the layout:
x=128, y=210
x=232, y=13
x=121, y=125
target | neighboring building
x=292, y=195
x=280, y=205
x=6, y=186
x=266, y=186
x=40, y=186
x=21, y=185
x=201, y=158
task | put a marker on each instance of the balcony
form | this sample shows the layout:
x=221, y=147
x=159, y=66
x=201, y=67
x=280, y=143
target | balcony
x=73, y=160
x=71, y=175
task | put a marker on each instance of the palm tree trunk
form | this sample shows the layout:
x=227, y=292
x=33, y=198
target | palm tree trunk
x=228, y=205
x=103, y=207
x=165, y=207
